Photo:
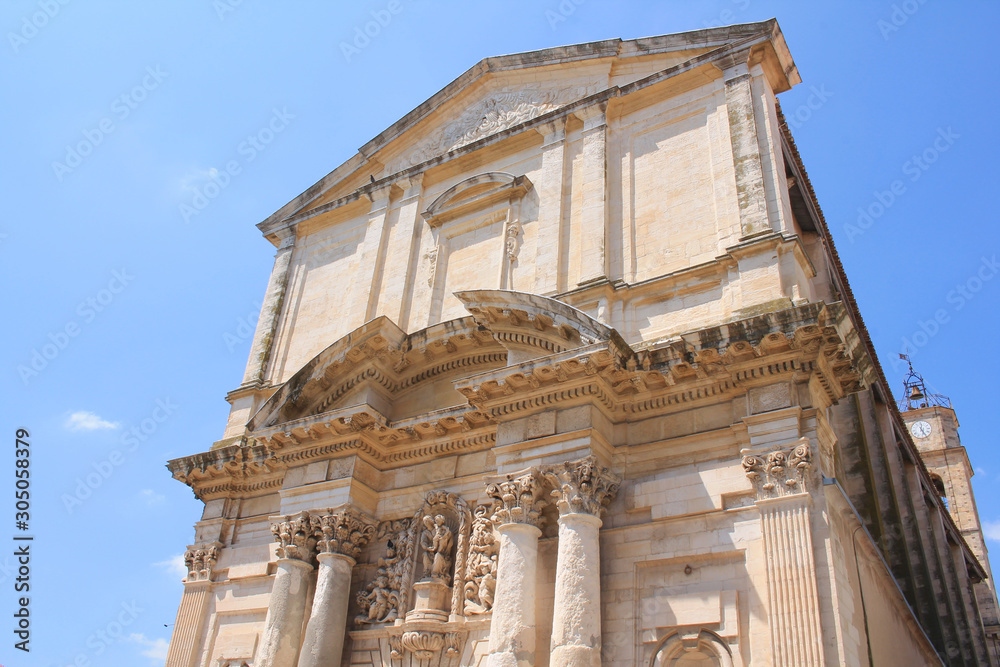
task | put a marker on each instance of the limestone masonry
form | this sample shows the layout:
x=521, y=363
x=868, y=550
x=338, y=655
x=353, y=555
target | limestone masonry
x=563, y=369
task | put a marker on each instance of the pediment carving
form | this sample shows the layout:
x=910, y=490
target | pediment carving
x=498, y=111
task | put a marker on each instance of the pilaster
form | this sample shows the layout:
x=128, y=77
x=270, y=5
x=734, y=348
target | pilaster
x=372, y=253
x=781, y=480
x=270, y=311
x=746, y=150
x=548, y=258
x=184, y=644
x=593, y=184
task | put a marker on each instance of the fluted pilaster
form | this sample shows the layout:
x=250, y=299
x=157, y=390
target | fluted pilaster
x=781, y=480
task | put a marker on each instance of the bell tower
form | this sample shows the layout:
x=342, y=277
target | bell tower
x=933, y=425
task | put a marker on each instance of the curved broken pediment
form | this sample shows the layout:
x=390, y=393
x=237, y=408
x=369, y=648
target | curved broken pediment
x=531, y=326
x=477, y=192
x=377, y=363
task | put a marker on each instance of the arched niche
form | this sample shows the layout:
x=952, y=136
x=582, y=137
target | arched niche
x=694, y=649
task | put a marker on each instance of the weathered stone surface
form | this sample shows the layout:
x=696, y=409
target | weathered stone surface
x=563, y=370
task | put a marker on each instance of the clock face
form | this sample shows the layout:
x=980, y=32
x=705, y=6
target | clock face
x=920, y=429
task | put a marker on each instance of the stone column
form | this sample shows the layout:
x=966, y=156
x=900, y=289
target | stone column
x=781, y=479
x=512, y=630
x=286, y=609
x=184, y=646
x=593, y=216
x=274, y=297
x=344, y=534
x=583, y=489
x=746, y=150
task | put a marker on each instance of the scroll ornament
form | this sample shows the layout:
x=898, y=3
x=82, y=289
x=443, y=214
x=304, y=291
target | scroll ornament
x=780, y=472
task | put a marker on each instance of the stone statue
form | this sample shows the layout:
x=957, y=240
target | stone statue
x=379, y=601
x=436, y=541
x=376, y=600
x=481, y=569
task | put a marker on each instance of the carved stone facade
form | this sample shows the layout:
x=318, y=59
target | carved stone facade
x=563, y=370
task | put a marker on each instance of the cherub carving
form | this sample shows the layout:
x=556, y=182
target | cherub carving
x=436, y=541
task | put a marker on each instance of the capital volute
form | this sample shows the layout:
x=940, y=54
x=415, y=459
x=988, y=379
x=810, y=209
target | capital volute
x=345, y=531
x=780, y=472
x=582, y=486
x=295, y=534
x=517, y=498
x=200, y=559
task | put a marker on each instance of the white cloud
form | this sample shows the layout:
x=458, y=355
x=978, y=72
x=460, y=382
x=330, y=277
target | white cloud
x=88, y=421
x=191, y=181
x=151, y=498
x=991, y=529
x=155, y=649
x=174, y=566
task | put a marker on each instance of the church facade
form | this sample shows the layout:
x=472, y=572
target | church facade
x=563, y=369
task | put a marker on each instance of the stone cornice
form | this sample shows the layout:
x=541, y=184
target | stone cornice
x=257, y=465
x=675, y=375
x=699, y=368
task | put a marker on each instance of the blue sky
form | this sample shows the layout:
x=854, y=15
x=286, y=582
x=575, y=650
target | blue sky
x=118, y=114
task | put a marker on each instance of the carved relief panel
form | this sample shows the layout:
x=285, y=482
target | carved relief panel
x=435, y=568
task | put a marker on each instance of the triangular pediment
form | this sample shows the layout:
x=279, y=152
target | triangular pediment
x=504, y=92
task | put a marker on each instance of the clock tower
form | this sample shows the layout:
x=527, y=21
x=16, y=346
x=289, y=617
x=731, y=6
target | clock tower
x=933, y=425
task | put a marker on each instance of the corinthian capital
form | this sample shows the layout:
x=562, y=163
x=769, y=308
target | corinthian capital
x=582, y=486
x=782, y=472
x=345, y=531
x=200, y=561
x=295, y=535
x=517, y=499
